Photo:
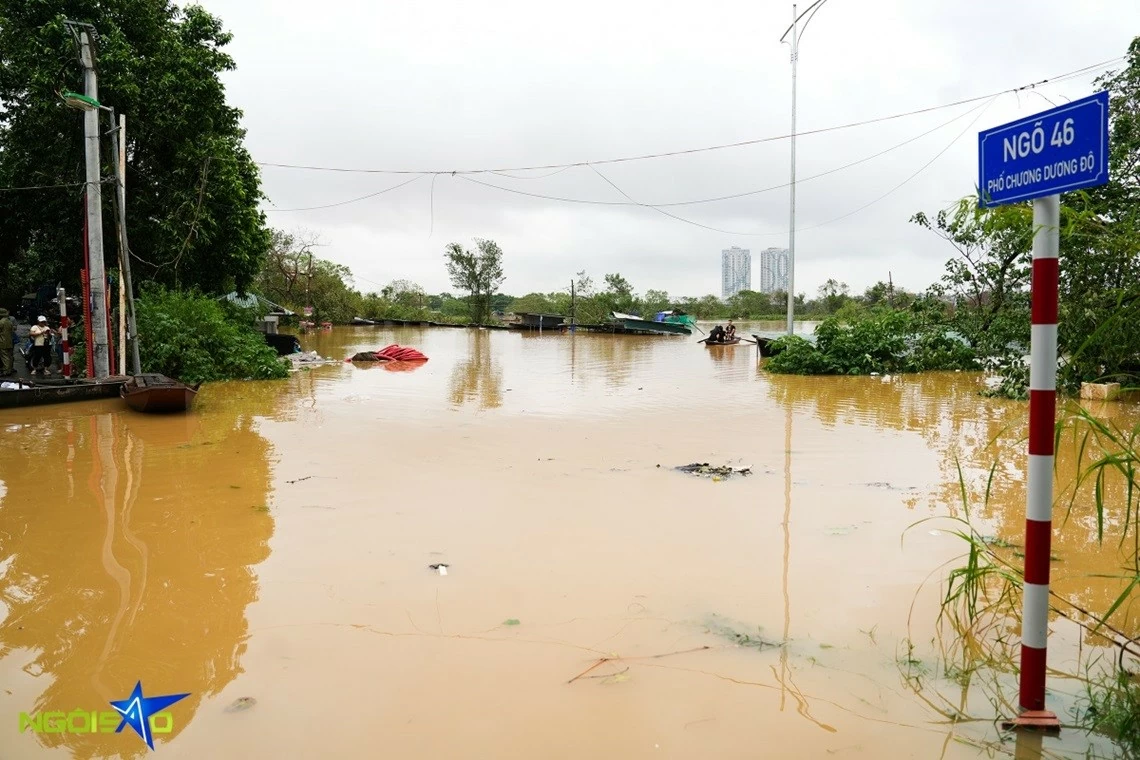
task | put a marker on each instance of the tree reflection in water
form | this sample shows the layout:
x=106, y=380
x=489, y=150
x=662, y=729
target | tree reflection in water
x=128, y=555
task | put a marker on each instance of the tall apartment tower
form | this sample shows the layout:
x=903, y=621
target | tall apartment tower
x=735, y=271
x=773, y=270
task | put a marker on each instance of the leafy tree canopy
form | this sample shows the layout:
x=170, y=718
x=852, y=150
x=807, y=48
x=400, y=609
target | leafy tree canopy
x=192, y=189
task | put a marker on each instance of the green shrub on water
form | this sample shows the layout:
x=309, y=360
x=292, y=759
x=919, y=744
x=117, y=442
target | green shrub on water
x=792, y=355
x=867, y=341
x=196, y=339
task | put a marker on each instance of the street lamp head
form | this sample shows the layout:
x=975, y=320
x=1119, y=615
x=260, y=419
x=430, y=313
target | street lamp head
x=79, y=102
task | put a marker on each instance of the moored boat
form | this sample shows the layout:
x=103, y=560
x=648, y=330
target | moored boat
x=34, y=393
x=158, y=394
x=634, y=323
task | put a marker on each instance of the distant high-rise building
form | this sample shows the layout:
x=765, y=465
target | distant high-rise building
x=735, y=271
x=774, y=270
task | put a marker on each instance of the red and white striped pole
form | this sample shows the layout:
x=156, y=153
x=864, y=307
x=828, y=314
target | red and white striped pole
x=62, y=295
x=1039, y=501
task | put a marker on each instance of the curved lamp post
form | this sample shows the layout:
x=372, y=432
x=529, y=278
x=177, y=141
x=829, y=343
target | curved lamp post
x=796, y=33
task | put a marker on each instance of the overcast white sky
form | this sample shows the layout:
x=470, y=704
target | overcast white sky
x=452, y=84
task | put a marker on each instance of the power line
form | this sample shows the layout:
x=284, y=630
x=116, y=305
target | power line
x=1033, y=85
x=351, y=200
x=920, y=170
x=734, y=195
x=980, y=112
x=47, y=187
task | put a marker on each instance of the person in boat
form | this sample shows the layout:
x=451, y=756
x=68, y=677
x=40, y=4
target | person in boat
x=730, y=332
x=41, y=334
x=7, y=344
x=716, y=335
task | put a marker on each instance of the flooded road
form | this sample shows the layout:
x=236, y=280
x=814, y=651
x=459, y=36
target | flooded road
x=269, y=555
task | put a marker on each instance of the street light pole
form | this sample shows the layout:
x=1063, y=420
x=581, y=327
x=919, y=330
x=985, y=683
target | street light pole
x=796, y=33
x=792, y=203
x=97, y=278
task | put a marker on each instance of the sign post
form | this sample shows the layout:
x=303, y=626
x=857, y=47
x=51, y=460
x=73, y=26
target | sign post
x=1038, y=158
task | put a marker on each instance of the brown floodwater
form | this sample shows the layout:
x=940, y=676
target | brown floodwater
x=268, y=554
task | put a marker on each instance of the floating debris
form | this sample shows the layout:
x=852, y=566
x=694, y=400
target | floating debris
x=240, y=704
x=511, y=621
x=705, y=470
x=308, y=359
x=740, y=638
x=440, y=568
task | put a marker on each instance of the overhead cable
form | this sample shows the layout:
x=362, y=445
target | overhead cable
x=724, y=146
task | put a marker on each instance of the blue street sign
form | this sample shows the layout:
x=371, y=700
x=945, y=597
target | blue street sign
x=1062, y=149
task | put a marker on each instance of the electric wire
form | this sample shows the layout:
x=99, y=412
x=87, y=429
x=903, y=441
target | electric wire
x=980, y=112
x=49, y=187
x=822, y=130
x=919, y=171
x=351, y=200
x=733, y=195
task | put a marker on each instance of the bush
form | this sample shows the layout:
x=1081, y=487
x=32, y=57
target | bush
x=862, y=342
x=196, y=339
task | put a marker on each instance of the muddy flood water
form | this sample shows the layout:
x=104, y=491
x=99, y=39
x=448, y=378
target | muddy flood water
x=269, y=555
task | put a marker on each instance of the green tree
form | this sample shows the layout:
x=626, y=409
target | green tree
x=406, y=294
x=1100, y=250
x=653, y=302
x=192, y=207
x=293, y=277
x=478, y=272
x=988, y=278
x=748, y=304
x=533, y=303
x=833, y=294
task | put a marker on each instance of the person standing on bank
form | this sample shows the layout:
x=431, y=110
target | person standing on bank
x=41, y=334
x=7, y=343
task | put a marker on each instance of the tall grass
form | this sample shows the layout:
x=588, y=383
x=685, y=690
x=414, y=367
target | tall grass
x=980, y=607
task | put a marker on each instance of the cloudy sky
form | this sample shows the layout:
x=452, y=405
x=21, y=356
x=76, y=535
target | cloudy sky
x=454, y=85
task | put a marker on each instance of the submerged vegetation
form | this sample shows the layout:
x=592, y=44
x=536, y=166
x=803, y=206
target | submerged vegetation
x=875, y=341
x=980, y=611
x=197, y=338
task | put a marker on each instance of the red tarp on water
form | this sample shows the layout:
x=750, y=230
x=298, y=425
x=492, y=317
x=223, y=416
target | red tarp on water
x=392, y=353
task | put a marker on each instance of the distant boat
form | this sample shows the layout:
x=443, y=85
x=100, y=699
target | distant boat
x=664, y=326
x=158, y=394
x=530, y=321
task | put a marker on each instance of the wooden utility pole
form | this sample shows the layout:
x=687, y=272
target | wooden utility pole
x=128, y=331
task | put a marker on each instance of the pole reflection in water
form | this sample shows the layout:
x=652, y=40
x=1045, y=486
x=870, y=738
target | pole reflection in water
x=787, y=549
x=87, y=609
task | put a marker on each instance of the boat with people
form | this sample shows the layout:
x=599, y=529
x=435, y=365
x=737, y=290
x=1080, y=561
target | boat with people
x=724, y=342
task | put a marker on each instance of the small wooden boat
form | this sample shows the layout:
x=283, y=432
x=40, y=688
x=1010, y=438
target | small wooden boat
x=158, y=394
x=33, y=393
x=729, y=342
x=762, y=345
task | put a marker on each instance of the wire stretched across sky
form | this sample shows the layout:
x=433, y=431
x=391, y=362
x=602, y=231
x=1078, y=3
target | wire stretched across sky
x=978, y=111
x=352, y=200
x=732, y=196
x=877, y=120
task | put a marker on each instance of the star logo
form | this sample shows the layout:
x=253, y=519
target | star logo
x=137, y=709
